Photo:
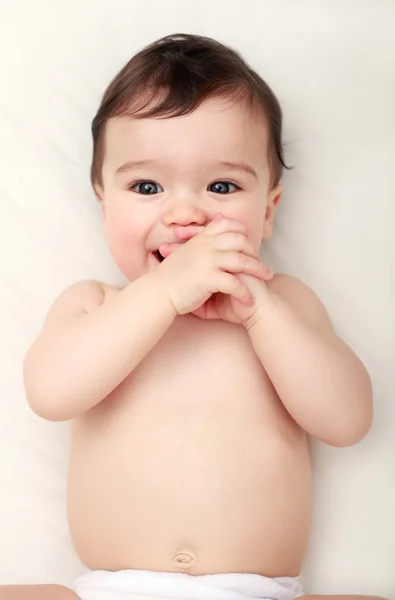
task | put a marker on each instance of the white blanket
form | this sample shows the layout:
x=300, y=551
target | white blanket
x=331, y=63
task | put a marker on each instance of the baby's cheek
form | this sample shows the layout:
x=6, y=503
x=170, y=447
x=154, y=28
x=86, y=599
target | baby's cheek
x=118, y=230
x=126, y=240
x=253, y=222
x=124, y=227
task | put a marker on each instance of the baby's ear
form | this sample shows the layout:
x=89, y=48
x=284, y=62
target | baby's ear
x=273, y=200
x=99, y=192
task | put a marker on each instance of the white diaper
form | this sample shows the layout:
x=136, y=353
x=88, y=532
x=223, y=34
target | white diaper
x=151, y=585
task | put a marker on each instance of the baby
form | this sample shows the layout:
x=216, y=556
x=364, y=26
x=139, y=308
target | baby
x=192, y=389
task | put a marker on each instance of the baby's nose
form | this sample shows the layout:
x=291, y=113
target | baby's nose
x=184, y=214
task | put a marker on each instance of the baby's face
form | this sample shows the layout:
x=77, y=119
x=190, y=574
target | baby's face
x=159, y=174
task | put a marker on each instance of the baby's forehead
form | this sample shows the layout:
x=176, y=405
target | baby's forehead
x=223, y=111
x=215, y=127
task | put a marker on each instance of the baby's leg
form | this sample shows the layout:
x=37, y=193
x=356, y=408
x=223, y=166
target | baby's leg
x=58, y=592
x=36, y=592
x=319, y=597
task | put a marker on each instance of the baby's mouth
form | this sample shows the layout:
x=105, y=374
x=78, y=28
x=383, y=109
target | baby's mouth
x=158, y=256
x=165, y=250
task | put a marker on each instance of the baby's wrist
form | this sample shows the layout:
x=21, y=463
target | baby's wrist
x=263, y=307
x=161, y=290
x=253, y=321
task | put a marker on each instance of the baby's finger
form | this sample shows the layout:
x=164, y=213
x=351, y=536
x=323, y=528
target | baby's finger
x=222, y=225
x=238, y=262
x=229, y=284
x=269, y=273
x=188, y=232
x=235, y=241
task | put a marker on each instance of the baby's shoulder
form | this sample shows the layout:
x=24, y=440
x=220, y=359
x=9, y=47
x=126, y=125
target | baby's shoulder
x=76, y=300
x=109, y=291
x=284, y=284
x=90, y=294
x=87, y=293
x=302, y=299
x=289, y=286
x=295, y=292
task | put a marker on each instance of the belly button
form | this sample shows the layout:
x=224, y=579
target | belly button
x=184, y=560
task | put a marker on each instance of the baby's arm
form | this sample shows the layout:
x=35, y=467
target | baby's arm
x=88, y=346
x=321, y=382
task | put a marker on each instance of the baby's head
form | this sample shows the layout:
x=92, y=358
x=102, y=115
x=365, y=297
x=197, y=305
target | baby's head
x=185, y=131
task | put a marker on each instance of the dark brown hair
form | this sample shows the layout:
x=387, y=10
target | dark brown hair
x=173, y=76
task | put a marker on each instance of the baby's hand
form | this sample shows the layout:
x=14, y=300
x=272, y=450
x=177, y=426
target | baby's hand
x=228, y=308
x=208, y=264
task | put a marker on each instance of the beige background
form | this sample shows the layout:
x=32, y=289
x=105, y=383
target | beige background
x=332, y=65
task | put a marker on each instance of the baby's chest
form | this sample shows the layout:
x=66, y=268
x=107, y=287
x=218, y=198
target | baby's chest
x=201, y=357
x=193, y=393
x=198, y=374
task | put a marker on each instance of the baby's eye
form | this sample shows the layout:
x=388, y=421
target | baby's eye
x=146, y=188
x=223, y=187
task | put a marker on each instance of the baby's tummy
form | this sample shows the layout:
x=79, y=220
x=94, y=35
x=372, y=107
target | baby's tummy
x=194, y=492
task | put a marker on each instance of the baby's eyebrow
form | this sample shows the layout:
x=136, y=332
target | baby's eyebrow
x=222, y=164
x=237, y=166
x=135, y=164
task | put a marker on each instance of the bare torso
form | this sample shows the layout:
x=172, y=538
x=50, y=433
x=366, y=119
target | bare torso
x=192, y=464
